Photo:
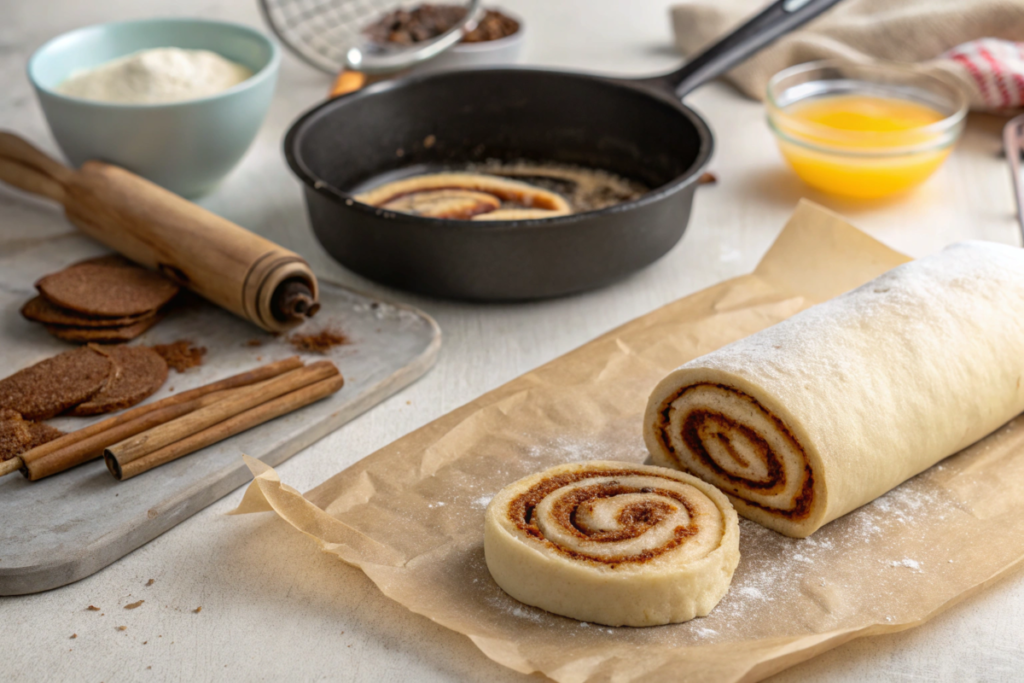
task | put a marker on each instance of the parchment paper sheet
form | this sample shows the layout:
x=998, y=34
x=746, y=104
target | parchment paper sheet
x=411, y=514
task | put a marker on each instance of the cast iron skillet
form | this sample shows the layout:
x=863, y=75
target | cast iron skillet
x=637, y=129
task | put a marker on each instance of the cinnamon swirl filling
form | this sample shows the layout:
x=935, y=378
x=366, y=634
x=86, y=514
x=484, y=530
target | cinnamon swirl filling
x=613, y=543
x=729, y=439
x=615, y=517
x=611, y=517
x=467, y=196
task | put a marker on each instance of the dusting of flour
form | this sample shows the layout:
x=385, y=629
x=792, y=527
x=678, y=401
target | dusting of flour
x=782, y=585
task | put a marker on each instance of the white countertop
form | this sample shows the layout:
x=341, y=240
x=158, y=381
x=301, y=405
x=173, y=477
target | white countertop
x=273, y=607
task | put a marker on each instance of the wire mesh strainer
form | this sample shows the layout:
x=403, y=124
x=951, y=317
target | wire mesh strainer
x=324, y=33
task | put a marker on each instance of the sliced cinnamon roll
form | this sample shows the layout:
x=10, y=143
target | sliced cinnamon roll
x=613, y=543
x=464, y=195
x=716, y=431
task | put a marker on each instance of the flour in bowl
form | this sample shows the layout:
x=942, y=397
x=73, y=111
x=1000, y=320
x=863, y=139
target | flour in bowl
x=160, y=75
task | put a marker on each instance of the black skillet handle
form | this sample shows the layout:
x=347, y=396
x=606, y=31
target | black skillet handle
x=775, y=21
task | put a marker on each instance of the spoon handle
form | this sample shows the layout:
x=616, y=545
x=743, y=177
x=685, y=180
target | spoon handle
x=1013, y=140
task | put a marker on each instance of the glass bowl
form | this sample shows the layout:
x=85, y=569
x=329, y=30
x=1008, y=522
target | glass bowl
x=866, y=164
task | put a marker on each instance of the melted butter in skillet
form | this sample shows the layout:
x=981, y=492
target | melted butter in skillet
x=497, y=191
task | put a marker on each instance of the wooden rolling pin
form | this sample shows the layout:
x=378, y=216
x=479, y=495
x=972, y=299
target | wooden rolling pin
x=238, y=270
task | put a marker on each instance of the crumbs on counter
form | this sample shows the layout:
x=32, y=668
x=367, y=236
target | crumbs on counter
x=181, y=355
x=151, y=582
x=92, y=608
x=707, y=178
x=134, y=604
x=73, y=636
x=199, y=609
x=122, y=628
x=318, y=342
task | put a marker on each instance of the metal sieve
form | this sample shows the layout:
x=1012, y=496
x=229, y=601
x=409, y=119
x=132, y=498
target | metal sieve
x=328, y=34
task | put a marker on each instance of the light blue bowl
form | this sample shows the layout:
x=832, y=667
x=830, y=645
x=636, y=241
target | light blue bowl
x=187, y=147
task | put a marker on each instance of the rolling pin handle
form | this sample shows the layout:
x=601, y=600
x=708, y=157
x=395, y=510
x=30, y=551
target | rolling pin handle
x=294, y=300
x=244, y=273
x=27, y=168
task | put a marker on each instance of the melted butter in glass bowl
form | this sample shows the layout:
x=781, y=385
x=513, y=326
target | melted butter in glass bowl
x=863, y=131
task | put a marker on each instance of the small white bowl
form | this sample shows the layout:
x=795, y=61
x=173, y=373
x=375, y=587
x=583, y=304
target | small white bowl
x=500, y=52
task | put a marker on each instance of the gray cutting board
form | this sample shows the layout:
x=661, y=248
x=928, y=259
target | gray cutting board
x=61, y=529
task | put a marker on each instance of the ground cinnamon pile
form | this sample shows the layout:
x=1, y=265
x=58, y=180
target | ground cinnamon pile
x=318, y=342
x=181, y=355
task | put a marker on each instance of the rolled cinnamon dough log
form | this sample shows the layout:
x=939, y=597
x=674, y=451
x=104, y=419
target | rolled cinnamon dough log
x=811, y=418
x=613, y=543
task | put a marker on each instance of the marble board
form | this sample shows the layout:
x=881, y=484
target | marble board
x=61, y=529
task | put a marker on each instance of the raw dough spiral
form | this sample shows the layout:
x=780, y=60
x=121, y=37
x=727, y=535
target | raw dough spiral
x=613, y=543
x=724, y=436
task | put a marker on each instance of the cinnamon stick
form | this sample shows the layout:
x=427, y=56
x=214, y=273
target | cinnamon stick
x=241, y=422
x=8, y=466
x=92, y=447
x=62, y=453
x=156, y=438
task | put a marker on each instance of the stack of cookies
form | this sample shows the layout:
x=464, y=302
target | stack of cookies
x=90, y=380
x=105, y=299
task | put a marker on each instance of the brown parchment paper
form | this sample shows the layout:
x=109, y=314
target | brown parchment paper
x=411, y=514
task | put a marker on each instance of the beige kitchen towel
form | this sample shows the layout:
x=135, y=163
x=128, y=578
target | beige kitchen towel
x=977, y=43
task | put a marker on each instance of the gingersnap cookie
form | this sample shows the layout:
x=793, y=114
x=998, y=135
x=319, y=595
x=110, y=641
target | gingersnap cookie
x=55, y=384
x=42, y=310
x=104, y=335
x=15, y=434
x=142, y=372
x=109, y=286
x=41, y=433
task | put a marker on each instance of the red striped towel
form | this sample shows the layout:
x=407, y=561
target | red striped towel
x=996, y=68
x=975, y=43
